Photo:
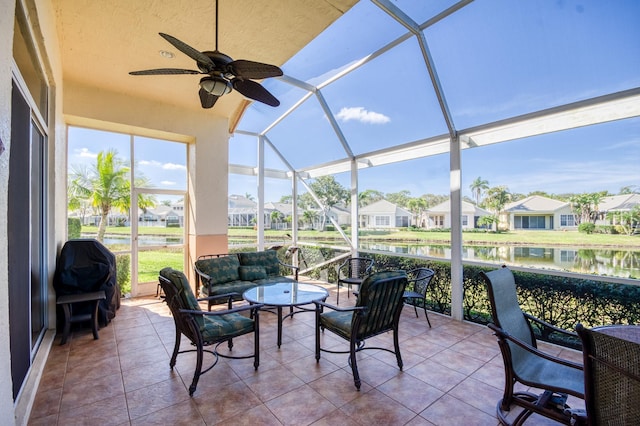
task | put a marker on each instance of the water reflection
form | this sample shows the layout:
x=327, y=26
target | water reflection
x=610, y=262
x=618, y=263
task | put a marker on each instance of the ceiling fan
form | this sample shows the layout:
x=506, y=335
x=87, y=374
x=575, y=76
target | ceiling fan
x=222, y=73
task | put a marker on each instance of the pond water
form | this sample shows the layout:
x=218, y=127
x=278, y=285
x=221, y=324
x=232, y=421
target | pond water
x=608, y=262
x=143, y=240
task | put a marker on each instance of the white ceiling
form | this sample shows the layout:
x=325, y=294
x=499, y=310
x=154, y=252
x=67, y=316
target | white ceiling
x=101, y=41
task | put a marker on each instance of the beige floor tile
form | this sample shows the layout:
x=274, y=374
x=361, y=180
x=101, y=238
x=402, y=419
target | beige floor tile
x=453, y=374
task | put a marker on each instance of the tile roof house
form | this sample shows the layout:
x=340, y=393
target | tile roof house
x=439, y=216
x=384, y=214
x=620, y=203
x=538, y=212
x=616, y=203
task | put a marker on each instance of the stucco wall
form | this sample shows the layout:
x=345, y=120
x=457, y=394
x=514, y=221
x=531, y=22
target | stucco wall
x=207, y=154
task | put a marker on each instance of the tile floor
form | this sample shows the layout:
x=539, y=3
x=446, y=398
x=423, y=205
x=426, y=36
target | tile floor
x=453, y=375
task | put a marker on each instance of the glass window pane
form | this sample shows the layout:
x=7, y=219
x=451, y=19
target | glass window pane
x=243, y=150
x=421, y=11
x=259, y=116
x=596, y=158
x=348, y=42
x=499, y=59
x=306, y=138
x=84, y=145
x=377, y=110
x=160, y=164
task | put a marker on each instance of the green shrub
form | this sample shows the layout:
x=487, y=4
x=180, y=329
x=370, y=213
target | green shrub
x=586, y=227
x=123, y=273
x=619, y=229
x=560, y=301
x=74, y=228
x=605, y=229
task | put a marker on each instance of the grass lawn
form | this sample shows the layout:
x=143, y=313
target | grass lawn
x=535, y=238
x=150, y=262
x=142, y=230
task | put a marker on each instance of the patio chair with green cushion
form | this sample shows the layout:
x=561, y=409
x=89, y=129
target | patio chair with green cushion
x=612, y=380
x=419, y=280
x=352, y=272
x=377, y=311
x=204, y=328
x=523, y=362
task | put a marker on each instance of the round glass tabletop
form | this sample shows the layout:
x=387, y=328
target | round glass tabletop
x=285, y=294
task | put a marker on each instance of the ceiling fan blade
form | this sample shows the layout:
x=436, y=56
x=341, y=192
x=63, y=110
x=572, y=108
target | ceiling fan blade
x=164, y=71
x=207, y=100
x=199, y=57
x=250, y=69
x=253, y=90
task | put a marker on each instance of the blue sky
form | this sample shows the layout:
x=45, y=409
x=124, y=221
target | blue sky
x=495, y=59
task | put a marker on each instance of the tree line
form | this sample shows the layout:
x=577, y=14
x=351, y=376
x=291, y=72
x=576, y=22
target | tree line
x=106, y=185
x=492, y=198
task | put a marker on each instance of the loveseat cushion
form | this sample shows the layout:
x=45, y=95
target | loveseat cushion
x=268, y=259
x=252, y=272
x=237, y=286
x=221, y=269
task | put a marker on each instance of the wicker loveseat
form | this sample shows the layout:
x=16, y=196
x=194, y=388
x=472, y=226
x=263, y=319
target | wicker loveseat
x=235, y=273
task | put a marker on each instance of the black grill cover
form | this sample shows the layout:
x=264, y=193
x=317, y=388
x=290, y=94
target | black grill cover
x=85, y=266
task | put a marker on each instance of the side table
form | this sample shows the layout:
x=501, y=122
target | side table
x=68, y=300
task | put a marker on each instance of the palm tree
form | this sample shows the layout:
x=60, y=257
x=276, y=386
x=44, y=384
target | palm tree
x=106, y=185
x=369, y=196
x=417, y=206
x=497, y=198
x=585, y=206
x=309, y=216
x=478, y=187
x=276, y=217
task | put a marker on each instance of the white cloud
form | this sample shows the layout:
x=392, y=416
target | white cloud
x=362, y=115
x=168, y=183
x=85, y=153
x=173, y=166
x=163, y=166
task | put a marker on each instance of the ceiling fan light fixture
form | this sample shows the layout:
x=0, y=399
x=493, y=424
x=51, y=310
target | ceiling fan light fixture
x=215, y=85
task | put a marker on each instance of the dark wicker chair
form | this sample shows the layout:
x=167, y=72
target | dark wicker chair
x=523, y=362
x=204, y=328
x=419, y=280
x=377, y=311
x=612, y=380
x=352, y=272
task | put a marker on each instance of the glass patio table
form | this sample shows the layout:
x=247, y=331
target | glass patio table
x=291, y=294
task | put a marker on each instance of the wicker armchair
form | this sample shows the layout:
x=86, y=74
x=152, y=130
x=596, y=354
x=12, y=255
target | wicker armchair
x=612, y=380
x=377, y=311
x=204, y=328
x=523, y=362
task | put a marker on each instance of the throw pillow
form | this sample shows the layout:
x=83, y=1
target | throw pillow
x=252, y=273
